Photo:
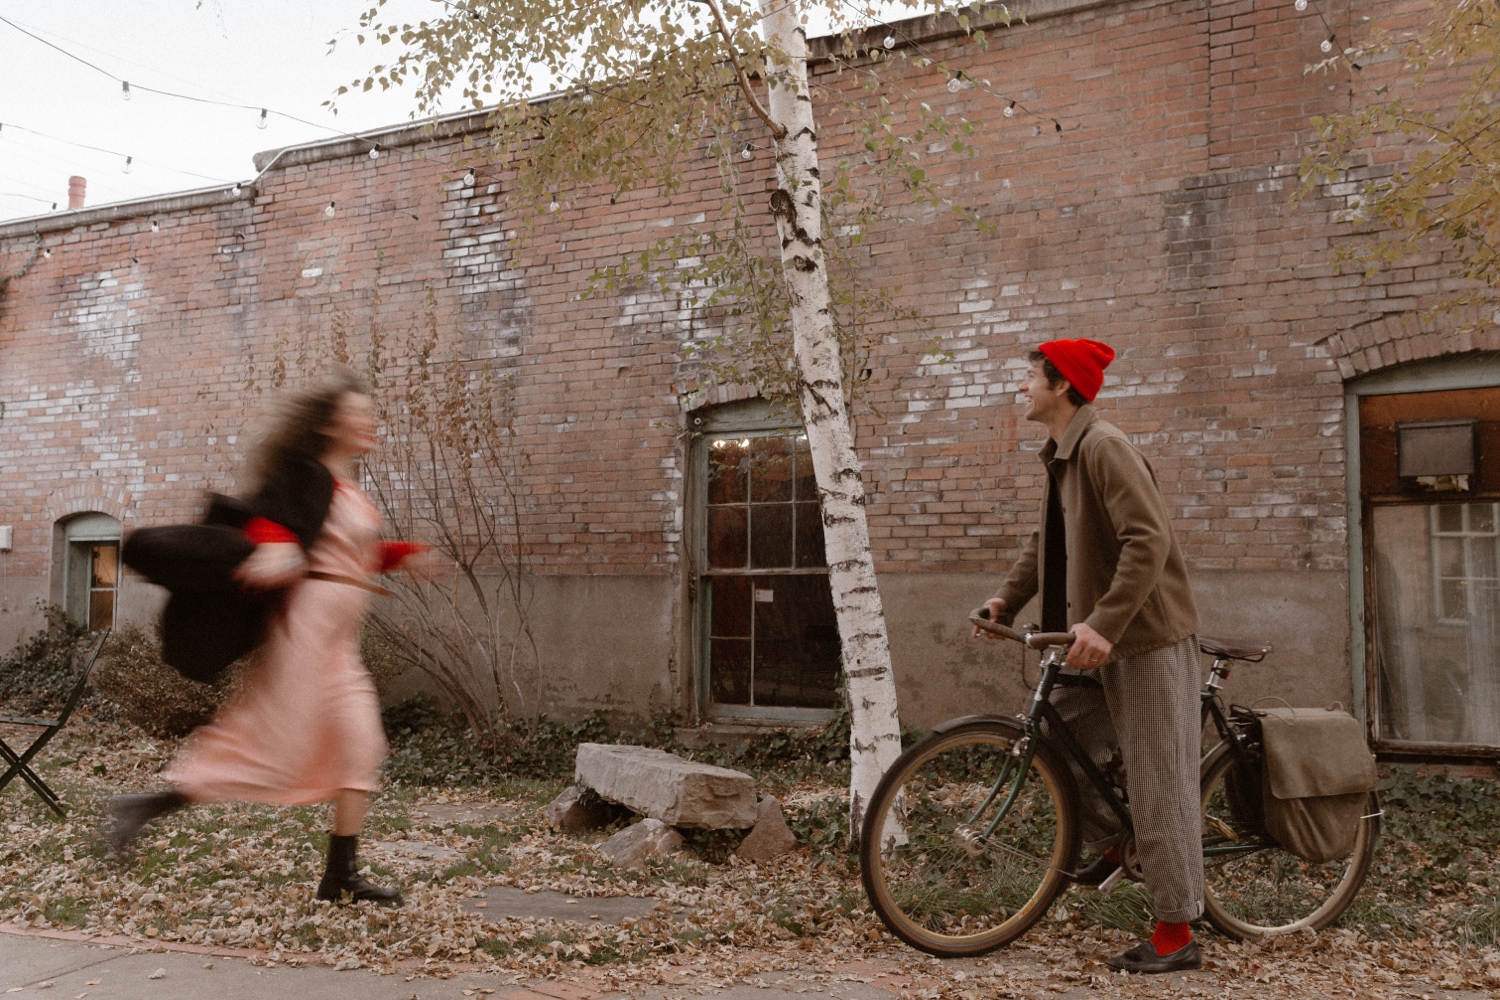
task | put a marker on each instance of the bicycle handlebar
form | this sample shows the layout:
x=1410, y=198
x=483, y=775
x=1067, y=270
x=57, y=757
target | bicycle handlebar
x=1036, y=640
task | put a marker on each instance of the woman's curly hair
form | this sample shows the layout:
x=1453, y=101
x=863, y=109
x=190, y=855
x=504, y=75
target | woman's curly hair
x=294, y=430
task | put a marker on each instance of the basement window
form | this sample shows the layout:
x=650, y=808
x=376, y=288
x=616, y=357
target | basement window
x=767, y=639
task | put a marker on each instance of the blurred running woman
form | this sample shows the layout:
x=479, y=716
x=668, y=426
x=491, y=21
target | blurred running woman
x=306, y=725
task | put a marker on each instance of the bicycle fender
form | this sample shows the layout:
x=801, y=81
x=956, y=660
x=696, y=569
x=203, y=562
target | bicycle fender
x=964, y=720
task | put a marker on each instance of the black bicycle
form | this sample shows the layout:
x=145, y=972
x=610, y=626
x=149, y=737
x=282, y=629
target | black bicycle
x=973, y=832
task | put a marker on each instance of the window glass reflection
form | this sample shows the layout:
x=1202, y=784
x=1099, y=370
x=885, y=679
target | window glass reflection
x=771, y=470
x=727, y=479
x=771, y=535
x=1436, y=591
x=728, y=537
x=104, y=568
x=773, y=639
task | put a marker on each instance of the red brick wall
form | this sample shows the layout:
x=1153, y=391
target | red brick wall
x=1158, y=219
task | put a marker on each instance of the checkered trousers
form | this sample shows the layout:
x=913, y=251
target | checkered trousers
x=1149, y=709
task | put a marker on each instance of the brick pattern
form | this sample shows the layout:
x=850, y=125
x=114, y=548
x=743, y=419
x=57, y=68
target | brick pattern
x=1158, y=219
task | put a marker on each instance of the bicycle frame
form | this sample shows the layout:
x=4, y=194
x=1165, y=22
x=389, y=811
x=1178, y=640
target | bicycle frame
x=1043, y=721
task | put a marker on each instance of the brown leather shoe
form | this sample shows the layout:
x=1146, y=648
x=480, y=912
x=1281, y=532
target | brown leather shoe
x=1143, y=958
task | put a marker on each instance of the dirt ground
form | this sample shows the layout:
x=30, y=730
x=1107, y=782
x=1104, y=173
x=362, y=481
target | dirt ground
x=239, y=879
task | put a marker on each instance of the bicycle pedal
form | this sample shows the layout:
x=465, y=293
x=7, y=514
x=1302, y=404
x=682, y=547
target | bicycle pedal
x=1115, y=878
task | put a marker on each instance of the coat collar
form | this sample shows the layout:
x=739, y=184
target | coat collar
x=1063, y=450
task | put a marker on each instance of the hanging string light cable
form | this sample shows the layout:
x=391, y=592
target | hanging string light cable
x=127, y=88
x=109, y=152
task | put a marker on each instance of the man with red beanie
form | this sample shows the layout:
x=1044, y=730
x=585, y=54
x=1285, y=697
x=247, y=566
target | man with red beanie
x=1108, y=569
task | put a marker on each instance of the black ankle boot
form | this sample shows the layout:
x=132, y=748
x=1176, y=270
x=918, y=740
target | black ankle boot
x=129, y=813
x=342, y=875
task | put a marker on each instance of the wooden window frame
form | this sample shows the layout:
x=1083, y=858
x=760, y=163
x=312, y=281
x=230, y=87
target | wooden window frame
x=1469, y=371
x=746, y=418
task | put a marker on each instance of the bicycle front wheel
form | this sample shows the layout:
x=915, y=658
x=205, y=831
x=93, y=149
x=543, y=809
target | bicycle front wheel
x=1252, y=887
x=962, y=852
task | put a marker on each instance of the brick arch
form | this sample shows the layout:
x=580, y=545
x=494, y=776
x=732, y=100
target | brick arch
x=705, y=396
x=1398, y=338
x=84, y=496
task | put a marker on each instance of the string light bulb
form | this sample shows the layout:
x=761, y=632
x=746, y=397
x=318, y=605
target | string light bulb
x=1010, y=109
x=128, y=161
x=47, y=251
x=263, y=116
x=155, y=226
x=374, y=153
x=552, y=206
x=746, y=154
x=890, y=41
x=954, y=84
x=1326, y=44
x=124, y=90
x=236, y=191
x=1300, y=5
x=330, y=211
x=469, y=179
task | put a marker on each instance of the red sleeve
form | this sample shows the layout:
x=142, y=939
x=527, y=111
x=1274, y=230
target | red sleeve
x=260, y=531
x=391, y=553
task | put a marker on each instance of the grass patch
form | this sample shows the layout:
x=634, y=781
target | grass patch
x=1434, y=872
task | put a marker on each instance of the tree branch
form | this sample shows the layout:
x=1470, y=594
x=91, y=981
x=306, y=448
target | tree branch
x=777, y=129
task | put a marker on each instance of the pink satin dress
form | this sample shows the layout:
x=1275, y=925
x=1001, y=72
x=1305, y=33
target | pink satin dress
x=307, y=722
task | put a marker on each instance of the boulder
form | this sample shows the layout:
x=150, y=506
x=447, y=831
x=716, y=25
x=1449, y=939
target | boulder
x=770, y=837
x=569, y=813
x=650, y=838
x=663, y=786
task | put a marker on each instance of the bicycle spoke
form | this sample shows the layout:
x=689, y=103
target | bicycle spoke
x=969, y=872
x=1253, y=887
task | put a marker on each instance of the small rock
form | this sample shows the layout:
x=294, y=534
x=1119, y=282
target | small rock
x=770, y=837
x=650, y=838
x=569, y=814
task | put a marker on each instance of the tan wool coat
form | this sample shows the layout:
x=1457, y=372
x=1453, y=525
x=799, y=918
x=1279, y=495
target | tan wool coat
x=1126, y=576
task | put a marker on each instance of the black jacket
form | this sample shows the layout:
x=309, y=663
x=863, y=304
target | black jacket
x=209, y=621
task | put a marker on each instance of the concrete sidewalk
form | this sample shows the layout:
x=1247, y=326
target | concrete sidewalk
x=58, y=968
x=73, y=970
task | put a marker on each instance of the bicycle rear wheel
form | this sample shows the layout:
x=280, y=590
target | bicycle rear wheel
x=939, y=869
x=1252, y=887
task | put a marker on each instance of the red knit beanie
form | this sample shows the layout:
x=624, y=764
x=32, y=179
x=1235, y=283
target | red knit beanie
x=1081, y=362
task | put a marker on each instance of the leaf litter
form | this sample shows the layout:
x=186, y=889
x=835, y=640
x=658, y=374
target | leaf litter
x=241, y=876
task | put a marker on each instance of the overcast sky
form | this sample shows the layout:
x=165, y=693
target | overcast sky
x=264, y=53
x=271, y=54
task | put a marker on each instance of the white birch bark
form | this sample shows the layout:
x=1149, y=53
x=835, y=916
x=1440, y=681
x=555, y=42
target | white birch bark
x=875, y=731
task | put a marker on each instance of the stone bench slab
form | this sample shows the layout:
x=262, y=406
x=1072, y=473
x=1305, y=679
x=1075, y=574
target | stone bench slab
x=663, y=786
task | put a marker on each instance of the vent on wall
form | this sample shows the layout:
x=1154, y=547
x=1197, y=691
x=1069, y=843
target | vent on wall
x=1437, y=455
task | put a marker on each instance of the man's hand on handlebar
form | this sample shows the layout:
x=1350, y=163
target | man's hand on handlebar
x=1089, y=651
x=996, y=607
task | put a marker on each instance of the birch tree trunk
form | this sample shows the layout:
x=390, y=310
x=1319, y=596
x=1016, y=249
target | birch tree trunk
x=875, y=732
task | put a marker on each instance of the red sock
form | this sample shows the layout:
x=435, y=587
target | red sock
x=1170, y=937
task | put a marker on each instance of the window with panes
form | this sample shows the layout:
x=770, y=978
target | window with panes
x=1429, y=482
x=768, y=642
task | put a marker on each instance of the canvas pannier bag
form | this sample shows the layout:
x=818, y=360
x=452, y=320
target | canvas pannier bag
x=1319, y=776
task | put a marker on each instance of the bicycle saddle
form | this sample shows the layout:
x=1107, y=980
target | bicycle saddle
x=1249, y=650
